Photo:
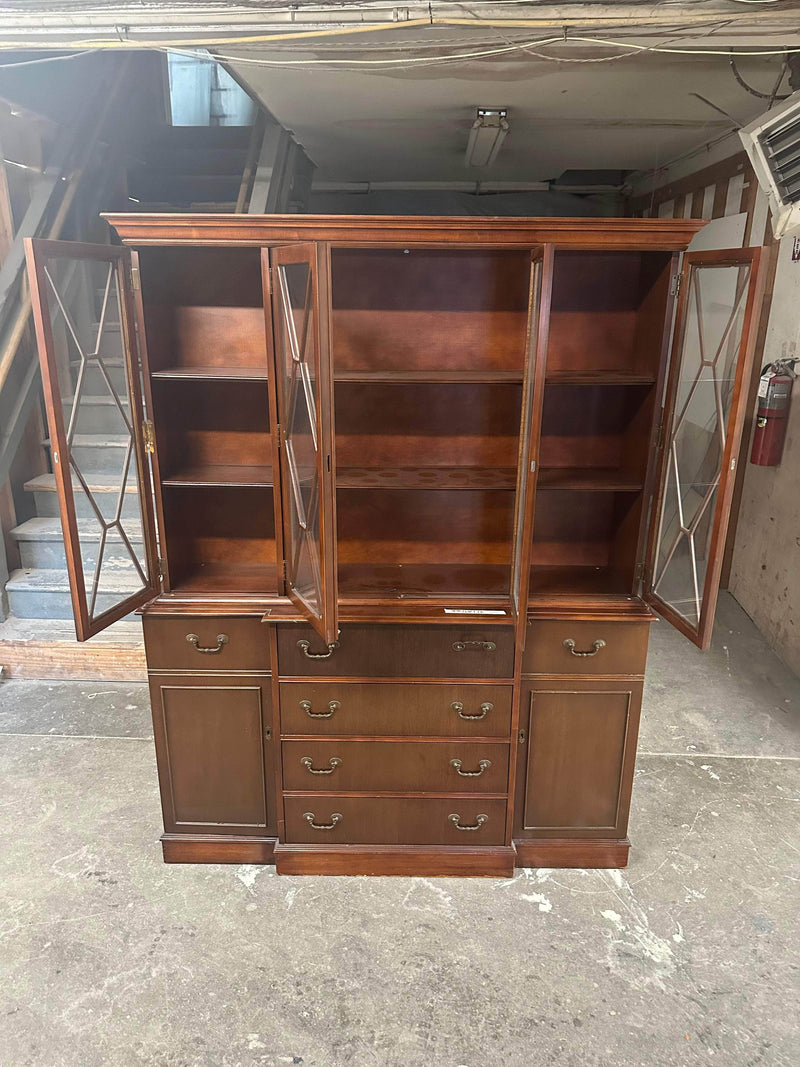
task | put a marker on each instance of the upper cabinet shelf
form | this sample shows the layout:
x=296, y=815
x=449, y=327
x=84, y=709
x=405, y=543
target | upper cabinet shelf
x=217, y=374
x=598, y=377
x=443, y=376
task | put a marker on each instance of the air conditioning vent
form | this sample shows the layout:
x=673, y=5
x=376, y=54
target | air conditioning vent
x=773, y=145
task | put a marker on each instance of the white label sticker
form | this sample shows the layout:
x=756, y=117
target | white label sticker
x=763, y=385
x=473, y=611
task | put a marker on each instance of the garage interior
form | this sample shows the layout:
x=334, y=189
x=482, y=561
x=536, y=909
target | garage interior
x=109, y=956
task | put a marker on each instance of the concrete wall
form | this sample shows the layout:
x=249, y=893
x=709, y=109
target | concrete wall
x=765, y=576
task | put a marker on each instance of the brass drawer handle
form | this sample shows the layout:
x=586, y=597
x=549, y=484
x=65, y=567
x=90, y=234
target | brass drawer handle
x=222, y=639
x=304, y=646
x=458, y=708
x=332, y=706
x=308, y=763
x=479, y=821
x=569, y=644
x=335, y=818
x=483, y=764
x=474, y=646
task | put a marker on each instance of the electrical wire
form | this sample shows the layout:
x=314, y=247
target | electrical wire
x=47, y=59
x=772, y=97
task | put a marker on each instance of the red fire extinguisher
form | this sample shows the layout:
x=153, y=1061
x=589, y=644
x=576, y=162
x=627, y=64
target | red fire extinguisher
x=774, y=399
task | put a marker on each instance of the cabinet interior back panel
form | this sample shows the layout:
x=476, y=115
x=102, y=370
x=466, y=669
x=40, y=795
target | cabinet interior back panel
x=429, y=309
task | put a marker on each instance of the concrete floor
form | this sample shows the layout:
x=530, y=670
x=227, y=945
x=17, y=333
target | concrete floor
x=108, y=957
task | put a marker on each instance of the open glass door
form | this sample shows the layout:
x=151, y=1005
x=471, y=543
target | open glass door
x=713, y=346
x=92, y=386
x=301, y=315
x=541, y=284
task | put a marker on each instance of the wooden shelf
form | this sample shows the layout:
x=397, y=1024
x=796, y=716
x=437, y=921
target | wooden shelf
x=590, y=478
x=426, y=478
x=220, y=475
x=423, y=580
x=216, y=374
x=577, y=581
x=597, y=377
x=236, y=578
x=445, y=377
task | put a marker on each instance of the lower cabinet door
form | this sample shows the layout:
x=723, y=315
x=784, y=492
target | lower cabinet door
x=213, y=737
x=577, y=758
x=326, y=819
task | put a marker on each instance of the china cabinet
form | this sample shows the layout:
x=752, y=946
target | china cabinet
x=396, y=498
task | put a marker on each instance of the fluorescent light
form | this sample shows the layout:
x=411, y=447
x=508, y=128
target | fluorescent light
x=487, y=134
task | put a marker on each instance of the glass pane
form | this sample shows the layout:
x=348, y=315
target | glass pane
x=695, y=442
x=84, y=307
x=525, y=432
x=302, y=449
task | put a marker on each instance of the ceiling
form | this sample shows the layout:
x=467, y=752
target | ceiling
x=410, y=123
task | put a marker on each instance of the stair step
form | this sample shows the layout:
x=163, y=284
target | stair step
x=99, y=453
x=41, y=542
x=104, y=488
x=41, y=593
x=47, y=648
x=99, y=415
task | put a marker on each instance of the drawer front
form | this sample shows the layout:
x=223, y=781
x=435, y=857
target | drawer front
x=564, y=647
x=395, y=766
x=402, y=651
x=206, y=643
x=393, y=820
x=385, y=709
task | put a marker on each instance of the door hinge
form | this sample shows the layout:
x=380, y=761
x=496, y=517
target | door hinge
x=660, y=435
x=675, y=288
x=136, y=281
x=162, y=567
x=638, y=572
x=149, y=435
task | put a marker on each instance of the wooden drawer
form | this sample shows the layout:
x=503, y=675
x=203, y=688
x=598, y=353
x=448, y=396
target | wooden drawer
x=395, y=766
x=395, y=710
x=624, y=650
x=393, y=820
x=245, y=647
x=399, y=651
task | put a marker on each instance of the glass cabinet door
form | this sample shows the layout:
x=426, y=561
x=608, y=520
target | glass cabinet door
x=532, y=392
x=300, y=301
x=92, y=386
x=713, y=346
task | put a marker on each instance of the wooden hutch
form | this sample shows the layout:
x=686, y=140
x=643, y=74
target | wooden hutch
x=395, y=497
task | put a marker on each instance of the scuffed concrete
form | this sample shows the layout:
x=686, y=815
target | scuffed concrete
x=109, y=957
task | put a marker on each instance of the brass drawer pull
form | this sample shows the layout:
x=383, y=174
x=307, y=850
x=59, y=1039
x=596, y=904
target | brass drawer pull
x=458, y=708
x=474, y=646
x=483, y=764
x=308, y=763
x=479, y=821
x=304, y=646
x=569, y=644
x=335, y=818
x=222, y=639
x=332, y=706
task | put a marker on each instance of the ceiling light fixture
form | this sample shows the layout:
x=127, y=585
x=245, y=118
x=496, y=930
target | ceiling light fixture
x=486, y=136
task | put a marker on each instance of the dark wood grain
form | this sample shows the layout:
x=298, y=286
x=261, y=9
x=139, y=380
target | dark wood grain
x=593, y=854
x=399, y=820
x=200, y=848
x=214, y=745
x=395, y=709
x=246, y=648
x=400, y=652
x=625, y=650
x=395, y=766
x=400, y=861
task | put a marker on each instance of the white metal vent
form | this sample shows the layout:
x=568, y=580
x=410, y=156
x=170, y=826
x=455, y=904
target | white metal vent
x=773, y=145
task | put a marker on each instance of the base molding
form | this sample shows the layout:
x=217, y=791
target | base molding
x=403, y=860
x=209, y=848
x=573, y=852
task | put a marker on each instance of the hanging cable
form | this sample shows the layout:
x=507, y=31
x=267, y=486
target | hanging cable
x=772, y=97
